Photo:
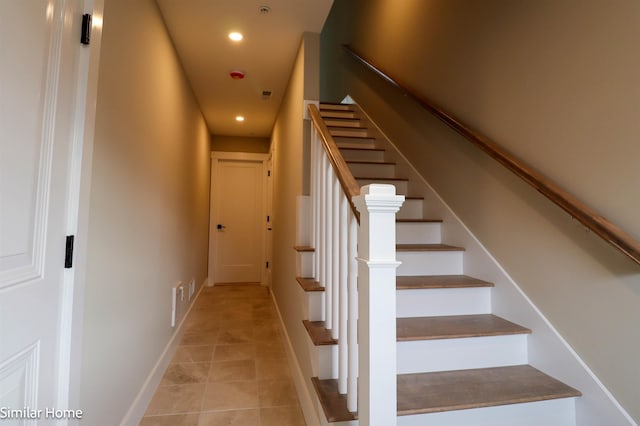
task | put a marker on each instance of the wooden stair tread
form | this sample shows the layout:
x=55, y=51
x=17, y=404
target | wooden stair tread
x=309, y=284
x=427, y=247
x=345, y=128
x=304, y=249
x=418, y=220
x=345, y=119
x=360, y=137
x=336, y=104
x=380, y=163
x=319, y=333
x=455, y=327
x=485, y=387
x=360, y=148
x=333, y=403
x=381, y=178
x=439, y=281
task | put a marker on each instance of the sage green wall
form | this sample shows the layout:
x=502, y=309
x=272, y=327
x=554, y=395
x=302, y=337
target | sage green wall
x=287, y=147
x=149, y=207
x=556, y=83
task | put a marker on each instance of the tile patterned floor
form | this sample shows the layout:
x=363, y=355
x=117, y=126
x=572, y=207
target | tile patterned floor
x=230, y=367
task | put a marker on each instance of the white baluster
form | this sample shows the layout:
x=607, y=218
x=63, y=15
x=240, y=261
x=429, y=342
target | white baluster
x=378, y=206
x=318, y=155
x=352, y=384
x=343, y=344
x=328, y=284
x=320, y=251
x=312, y=194
x=337, y=194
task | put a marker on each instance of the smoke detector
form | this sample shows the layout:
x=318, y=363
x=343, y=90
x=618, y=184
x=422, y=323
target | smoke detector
x=236, y=75
x=264, y=10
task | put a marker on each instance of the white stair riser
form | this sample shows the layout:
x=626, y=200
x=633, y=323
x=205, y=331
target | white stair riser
x=304, y=264
x=324, y=361
x=326, y=107
x=411, y=209
x=401, y=185
x=556, y=412
x=443, y=301
x=343, y=123
x=349, y=132
x=362, y=155
x=461, y=354
x=430, y=262
x=356, y=143
x=382, y=170
x=418, y=232
x=315, y=305
x=338, y=114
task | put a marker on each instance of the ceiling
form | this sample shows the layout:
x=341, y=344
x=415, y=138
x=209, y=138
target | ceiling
x=200, y=28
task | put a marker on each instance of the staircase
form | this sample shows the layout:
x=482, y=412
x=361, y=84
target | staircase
x=457, y=363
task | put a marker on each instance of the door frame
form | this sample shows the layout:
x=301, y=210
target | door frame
x=216, y=157
x=80, y=172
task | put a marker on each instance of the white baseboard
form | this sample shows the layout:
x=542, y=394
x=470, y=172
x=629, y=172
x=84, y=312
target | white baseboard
x=304, y=396
x=139, y=406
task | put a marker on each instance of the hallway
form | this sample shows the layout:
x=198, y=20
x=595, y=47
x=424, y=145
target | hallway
x=230, y=367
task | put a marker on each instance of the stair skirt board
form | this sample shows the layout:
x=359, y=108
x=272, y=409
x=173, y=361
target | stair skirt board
x=308, y=401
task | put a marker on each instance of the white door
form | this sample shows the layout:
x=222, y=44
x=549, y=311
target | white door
x=40, y=63
x=237, y=222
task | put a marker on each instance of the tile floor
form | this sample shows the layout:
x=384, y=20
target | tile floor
x=230, y=367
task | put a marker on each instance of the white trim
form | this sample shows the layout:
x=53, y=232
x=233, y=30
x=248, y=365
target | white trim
x=79, y=183
x=307, y=403
x=308, y=102
x=216, y=156
x=143, y=398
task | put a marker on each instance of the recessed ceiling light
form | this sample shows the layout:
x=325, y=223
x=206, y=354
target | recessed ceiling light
x=235, y=36
x=239, y=118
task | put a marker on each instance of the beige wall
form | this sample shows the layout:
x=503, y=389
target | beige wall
x=240, y=144
x=148, y=219
x=287, y=147
x=557, y=84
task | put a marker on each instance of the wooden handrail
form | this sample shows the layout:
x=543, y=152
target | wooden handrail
x=345, y=177
x=600, y=226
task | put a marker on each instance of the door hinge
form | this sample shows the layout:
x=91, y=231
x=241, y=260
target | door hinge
x=85, y=37
x=68, y=252
x=267, y=265
x=268, y=172
x=267, y=218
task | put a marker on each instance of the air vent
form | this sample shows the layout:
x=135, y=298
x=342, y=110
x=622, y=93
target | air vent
x=266, y=94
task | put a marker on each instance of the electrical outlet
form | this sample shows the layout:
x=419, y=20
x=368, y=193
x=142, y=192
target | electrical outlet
x=192, y=288
x=177, y=288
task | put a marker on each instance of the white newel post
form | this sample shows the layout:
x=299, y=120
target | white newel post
x=378, y=205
